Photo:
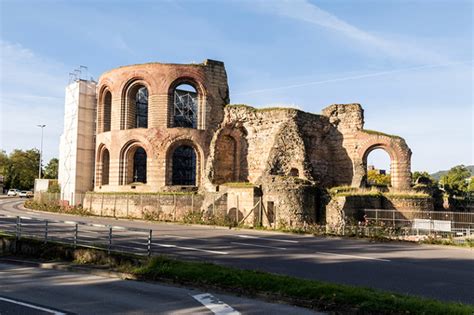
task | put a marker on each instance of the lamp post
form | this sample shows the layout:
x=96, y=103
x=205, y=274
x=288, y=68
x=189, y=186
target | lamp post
x=41, y=150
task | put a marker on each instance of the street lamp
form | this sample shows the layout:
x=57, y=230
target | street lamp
x=41, y=150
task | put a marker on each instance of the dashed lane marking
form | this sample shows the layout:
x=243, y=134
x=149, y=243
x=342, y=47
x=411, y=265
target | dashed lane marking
x=215, y=305
x=267, y=239
x=354, y=256
x=191, y=248
x=256, y=245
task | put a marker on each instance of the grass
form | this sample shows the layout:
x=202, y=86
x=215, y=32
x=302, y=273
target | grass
x=239, y=184
x=264, y=109
x=342, y=299
x=374, y=132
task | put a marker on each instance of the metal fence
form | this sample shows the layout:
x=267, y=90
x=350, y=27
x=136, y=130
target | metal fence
x=106, y=237
x=456, y=223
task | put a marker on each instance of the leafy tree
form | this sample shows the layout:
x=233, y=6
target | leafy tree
x=22, y=169
x=374, y=178
x=422, y=177
x=3, y=162
x=455, y=181
x=471, y=185
x=51, y=170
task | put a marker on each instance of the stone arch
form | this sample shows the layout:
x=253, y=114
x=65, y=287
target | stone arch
x=133, y=163
x=103, y=166
x=135, y=104
x=189, y=156
x=294, y=172
x=399, y=154
x=104, y=117
x=230, y=156
x=176, y=99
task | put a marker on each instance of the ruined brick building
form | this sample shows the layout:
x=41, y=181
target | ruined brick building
x=156, y=127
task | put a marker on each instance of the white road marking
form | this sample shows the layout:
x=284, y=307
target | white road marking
x=98, y=225
x=26, y=218
x=192, y=248
x=215, y=305
x=255, y=245
x=354, y=256
x=32, y=306
x=70, y=222
x=183, y=237
x=266, y=238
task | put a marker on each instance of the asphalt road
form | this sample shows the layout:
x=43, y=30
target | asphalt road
x=440, y=272
x=29, y=290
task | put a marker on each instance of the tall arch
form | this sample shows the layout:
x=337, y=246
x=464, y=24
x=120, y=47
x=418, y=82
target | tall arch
x=104, y=117
x=186, y=103
x=133, y=164
x=399, y=154
x=103, y=166
x=183, y=163
x=134, y=111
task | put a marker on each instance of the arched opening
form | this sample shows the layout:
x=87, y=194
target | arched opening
x=105, y=167
x=184, y=166
x=378, y=168
x=133, y=164
x=225, y=160
x=139, y=166
x=294, y=172
x=185, y=106
x=135, y=112
x=107, y=120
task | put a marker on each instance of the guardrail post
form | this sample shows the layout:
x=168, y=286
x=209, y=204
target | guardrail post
x=110, y=240
x=18, y=227
x=149, y=242
x=76, y=230
x=45, y=231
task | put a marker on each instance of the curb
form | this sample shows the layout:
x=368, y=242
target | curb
x=66, y=266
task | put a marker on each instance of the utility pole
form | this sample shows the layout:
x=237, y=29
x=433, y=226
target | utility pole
x=41, y=151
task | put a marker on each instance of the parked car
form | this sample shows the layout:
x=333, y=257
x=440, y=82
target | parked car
x=13, y=192
x=25, y=194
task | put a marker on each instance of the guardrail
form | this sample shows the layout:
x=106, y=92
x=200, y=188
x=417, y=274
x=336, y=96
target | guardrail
x=457, y=223
x=99, y=236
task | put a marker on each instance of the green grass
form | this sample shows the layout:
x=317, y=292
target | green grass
x=308, y=293
x=161, y=193
x=264, y=109
x=239, y=184
x=374, y=132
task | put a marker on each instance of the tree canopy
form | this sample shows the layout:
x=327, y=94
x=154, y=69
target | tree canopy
x=455, y=182
x=375, y=178
x=51, y=170
x=20, y=168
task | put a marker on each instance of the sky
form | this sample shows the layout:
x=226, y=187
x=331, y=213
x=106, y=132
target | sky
x=408, y=63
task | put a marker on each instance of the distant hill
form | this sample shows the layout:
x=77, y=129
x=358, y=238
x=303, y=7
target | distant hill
x=438, y=174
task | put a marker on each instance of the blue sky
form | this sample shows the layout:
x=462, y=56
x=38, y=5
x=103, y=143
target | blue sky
x=409, y=63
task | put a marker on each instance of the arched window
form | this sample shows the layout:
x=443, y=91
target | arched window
x=139, y=166
x=141, y=102
x=135, y=107
x=105, y=167
x=185, y=106
x=107, y=111
x=184, y=166
x=294, y=172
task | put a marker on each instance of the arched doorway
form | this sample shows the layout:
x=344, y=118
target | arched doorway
x=183, y=166
x=378, y=168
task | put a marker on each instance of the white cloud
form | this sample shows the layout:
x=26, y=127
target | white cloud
x=31, y=93
x=305, y=11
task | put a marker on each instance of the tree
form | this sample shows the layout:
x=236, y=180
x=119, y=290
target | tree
x=375, y=178
x=21, y=169
x=422, y=178
x=51, y=170
x=455, y=181
x=3, y=162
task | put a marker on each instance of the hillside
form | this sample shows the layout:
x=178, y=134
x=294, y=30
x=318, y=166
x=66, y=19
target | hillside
x=438, y=174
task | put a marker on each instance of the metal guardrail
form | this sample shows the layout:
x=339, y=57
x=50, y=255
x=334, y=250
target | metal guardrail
x=99, y=236
x=457, y=223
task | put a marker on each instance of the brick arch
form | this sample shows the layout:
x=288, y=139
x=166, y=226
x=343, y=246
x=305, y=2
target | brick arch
x=399, y=153
x=128, y=109
x=230, y=156
x=169, y=159
x=126, y=163
x=196, y=82
x=103, y=166
x=104, y=109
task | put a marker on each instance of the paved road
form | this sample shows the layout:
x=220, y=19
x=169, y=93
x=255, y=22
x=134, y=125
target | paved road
x=29, y=290
x=444, y=273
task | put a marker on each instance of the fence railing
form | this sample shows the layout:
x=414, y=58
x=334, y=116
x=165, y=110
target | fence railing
x=457, y=223
x=106, y=237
